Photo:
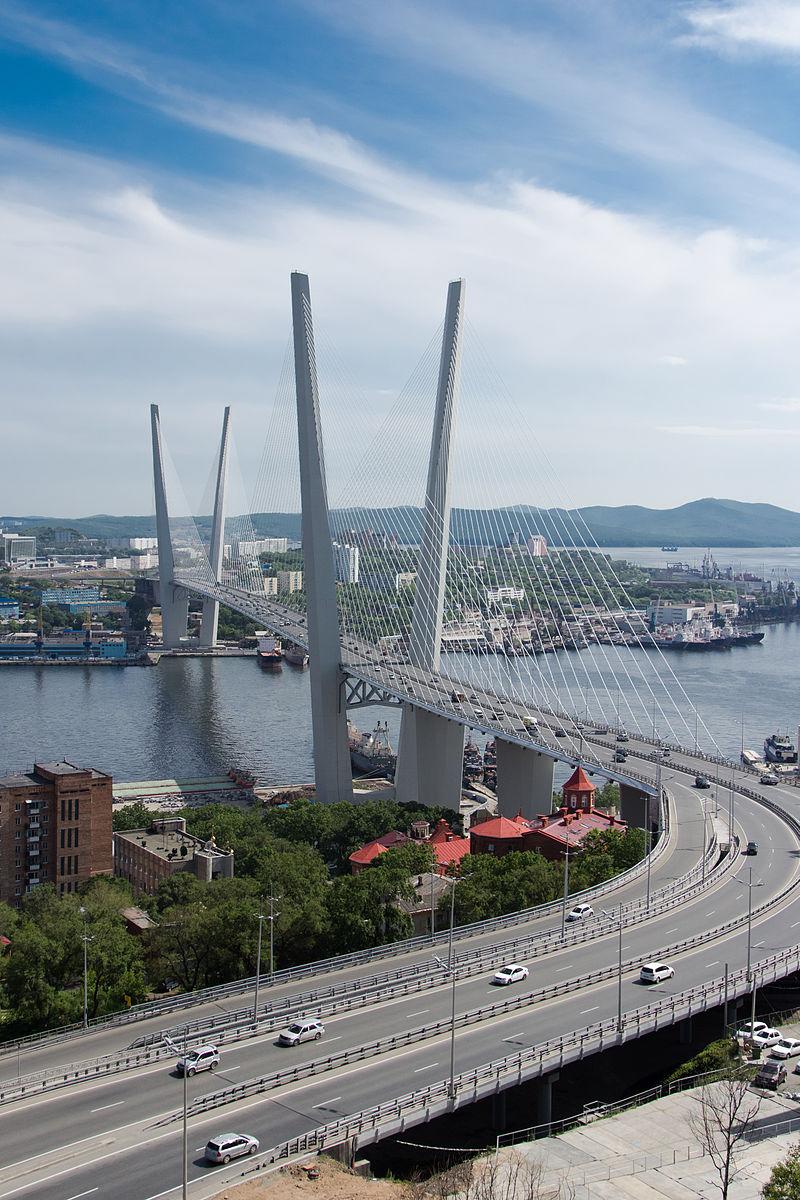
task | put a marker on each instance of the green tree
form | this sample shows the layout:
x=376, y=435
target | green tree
x=784, y=1182
x=133, y=816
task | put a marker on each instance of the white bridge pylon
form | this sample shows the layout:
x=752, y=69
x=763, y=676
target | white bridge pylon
x=351, y=667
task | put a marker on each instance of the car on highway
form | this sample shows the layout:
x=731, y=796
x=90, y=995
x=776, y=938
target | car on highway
x=513, y=973
x=664, y=752
x=701, y=782
x=770, y=1075
x=623, y=737
x=751, y=848
x=201, y=1058
x=225, y=1146
x=655, y=972
x=786, y=1048
x=560, y=732
x=301, y=1031
x=768, y=777
x=457, y=697
x=602, y=731
x=530, y=723
x=579, y=912
x=620, y=756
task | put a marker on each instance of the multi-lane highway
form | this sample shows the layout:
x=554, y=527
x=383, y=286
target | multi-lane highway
x=129, y=1153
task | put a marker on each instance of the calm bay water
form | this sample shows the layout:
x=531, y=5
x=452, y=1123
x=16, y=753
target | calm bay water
x=196, y=717
x=769, y=562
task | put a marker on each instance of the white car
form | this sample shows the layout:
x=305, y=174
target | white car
x=301, y=1031
x=656, y=971
x=513, y=973
x=766, y=1038
x=202, y=1058
x=786, y=1048
x=768, y=777
x=225, y=1146
x=579, y=912
x=747, y=1029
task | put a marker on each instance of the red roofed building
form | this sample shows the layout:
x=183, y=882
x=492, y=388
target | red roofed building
x=364, y=857
x=447, y=847
x=549, y=833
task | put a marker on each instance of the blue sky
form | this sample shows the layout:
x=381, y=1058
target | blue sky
x=618, y=180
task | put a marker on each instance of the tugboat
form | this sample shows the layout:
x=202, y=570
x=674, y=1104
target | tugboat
x=269, y=652
x=778, y=748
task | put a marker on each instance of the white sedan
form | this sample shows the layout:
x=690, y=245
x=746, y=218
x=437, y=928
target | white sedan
x=786, y=1048
x=766, y=1038
x=579, y=912
x=513, y=973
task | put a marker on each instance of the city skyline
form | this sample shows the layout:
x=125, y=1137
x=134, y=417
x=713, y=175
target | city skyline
x=617, y=184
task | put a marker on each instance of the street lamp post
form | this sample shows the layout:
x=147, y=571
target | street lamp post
x=449, y=968
x=185, y=1138
x=566, y=889
x=273, y=916
x=705, y=839
x=85, y=939
x=260, y=919
x=751, y=975
x=619, y=970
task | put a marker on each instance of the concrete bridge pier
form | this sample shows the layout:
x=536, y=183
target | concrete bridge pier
x=208, y=627
x=430, y=759
x=174, y=600
x=544, y=1097
x=524, y=780
x=634, y=806
x=499, y=1112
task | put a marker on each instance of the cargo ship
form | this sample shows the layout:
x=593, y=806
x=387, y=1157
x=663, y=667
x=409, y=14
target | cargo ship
x=371, y=753
x=295, y=655
x=698, y=636
x=269, y=652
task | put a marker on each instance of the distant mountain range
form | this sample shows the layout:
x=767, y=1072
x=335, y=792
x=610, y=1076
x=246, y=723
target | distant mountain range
x=707, y=522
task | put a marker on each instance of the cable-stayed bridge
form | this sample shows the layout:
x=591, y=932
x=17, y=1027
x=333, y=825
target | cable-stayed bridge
x=440, y=613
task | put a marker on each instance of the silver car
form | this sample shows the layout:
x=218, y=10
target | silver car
x=225, y=1146
x=301, y=1031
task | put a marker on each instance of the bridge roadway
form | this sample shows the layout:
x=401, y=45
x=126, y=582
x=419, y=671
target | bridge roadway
x=90, y=1138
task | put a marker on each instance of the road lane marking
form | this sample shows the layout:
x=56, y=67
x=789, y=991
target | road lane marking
x=332, y=1100
x=429, y=1067
x=89, y=1193
x=422, y=1011
x=711, y=913
x=567, y=968
x=584, y=1011
x=715, y=963
x=103, y=1107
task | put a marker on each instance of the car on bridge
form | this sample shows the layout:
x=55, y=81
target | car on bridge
x=620, y=756
x=751, y=848
x=513, y=973
x=301, y=1031
x=201, y=1058
x=655, y=972
x=560, y=732
x=768, y=777
x=225, y=1146
x=580, y=912
x=622, y=736
x=701, y=782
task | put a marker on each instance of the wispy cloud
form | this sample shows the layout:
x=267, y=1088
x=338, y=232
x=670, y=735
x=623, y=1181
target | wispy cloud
x=673, y=360
x=726, y=431
x=789, y=405
x=747, y=25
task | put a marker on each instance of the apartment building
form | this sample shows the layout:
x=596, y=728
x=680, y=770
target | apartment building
x=55, y=827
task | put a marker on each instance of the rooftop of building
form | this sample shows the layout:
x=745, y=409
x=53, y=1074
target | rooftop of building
x=574, y=826
x=388, y=841
x=502, y=827
x=166, y=843
x=44, y=772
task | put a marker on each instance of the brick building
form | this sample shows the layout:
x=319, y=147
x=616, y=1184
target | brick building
x=55, y=827
x=146, y=856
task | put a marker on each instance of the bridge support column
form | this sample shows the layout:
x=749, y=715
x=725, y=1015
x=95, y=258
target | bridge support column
x=634, y=806
x=332, y=771
x=430, y=759
x=524, y=780
x=685, y=1031
x=499, y=1112
x=174, y=600
x=544, y=1097
x=208, y=626
x=426, y=623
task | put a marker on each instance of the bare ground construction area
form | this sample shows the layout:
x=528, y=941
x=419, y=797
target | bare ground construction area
x=335, y=1182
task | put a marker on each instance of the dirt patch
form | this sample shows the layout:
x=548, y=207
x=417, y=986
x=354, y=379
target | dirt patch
x=334, y=1183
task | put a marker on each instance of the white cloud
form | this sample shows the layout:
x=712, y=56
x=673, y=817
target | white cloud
x=726, y=431
x=761, y=25
x=673, y=360
x=787, y=406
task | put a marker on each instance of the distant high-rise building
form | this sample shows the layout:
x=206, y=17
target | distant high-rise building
x=267, y=545
x=290, y=581
x=15, y=547
x=537, y=546
x=346, y=560
x=73, y=595
x=55, y=827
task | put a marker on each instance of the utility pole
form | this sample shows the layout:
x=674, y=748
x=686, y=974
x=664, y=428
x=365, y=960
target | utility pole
x=273, y=916
x=705, y=838
x=606, y=913
x=449, y=968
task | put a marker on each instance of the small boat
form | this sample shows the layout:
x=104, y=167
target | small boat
x=669, y=549
x=269, y=653
x=778, y=748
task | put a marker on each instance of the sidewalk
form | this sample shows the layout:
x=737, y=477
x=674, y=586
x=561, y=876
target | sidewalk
x=652, y=1153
